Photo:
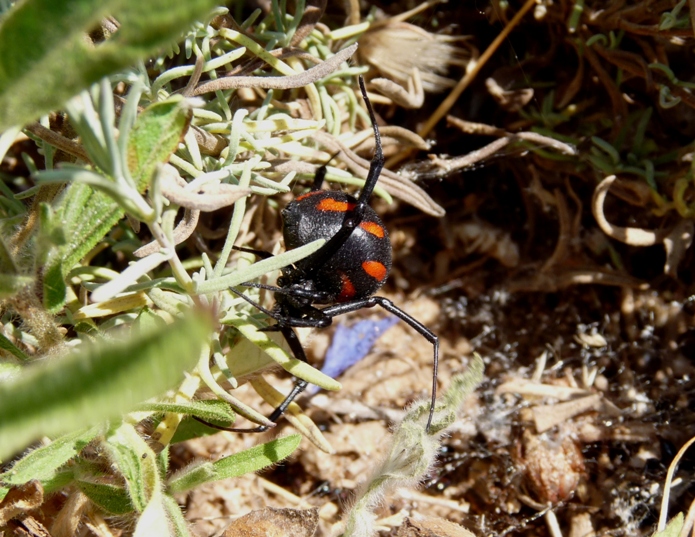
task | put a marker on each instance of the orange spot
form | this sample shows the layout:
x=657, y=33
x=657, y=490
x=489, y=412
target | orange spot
x=375, y=269
x=308, y=194
x=373, y=228
x=347, y=291
x=336, y=206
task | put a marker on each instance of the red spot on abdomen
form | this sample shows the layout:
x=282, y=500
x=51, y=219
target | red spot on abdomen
x=347, y=291
x=375, y=269
x=308, y=194
x=373, y=228
x=335, y=206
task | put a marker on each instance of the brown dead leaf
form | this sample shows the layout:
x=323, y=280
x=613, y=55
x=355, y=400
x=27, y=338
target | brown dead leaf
x=270, y=522
x=19, y=500
x=28, y=527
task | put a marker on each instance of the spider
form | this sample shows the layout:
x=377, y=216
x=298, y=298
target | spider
x=342, y=275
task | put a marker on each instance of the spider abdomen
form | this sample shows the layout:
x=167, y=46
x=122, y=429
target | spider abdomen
x=361, y=265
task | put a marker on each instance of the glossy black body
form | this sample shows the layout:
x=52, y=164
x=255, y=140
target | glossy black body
x=304, y=221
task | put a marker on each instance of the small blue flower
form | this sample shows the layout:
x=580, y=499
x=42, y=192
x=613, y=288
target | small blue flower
x=351, y=344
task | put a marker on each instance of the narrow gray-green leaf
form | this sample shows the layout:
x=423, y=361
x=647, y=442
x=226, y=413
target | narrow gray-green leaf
x=96, y=383
x=251, y=460
x=209, y=410
x=42, y=463
x=258, y=269
x=47, y=60
x=112, y=499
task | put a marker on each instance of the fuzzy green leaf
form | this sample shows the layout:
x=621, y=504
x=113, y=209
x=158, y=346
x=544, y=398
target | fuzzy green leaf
x=178, y=521
x=154, y=520
x=7, y=264
x=54, y=287
x=96, y=383
x=155, y=136
x=42, y=463
x=87, y=216
x=137, y=463
x=209, y=410
x=47, y=60
x=10, y=279
x=60, y=480
x=190, y=428
x=251, y=460
x=112, y=499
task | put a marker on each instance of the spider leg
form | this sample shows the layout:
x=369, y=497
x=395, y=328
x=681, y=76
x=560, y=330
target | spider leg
x=385, y=303
x=284, y=326
x=354, y=217
x=320, y=175
x=299, y=385
x=258, y=253
x=314, y=296
x=377, y=163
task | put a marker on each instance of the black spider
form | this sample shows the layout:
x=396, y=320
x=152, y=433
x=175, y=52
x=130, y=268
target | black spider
x=343, y=274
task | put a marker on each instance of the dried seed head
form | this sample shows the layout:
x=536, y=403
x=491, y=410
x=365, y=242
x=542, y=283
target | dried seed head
x=554, y=464
x=396, y=48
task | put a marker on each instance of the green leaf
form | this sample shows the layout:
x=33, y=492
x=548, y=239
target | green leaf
x=239, y=366
x=137, y=463
x=47, y=60
x=11, y=280
x=96, y=383
x=251, y=460
x=176, y=517
x=190, y=428
x=673, y=528
x=209, y=410
x=154, y=519
x=59, y=480
x=112, y=499
x=7, y=264
x=10, y=284
x=7, y=345
x=155, y=136
x=258, y=269
x=87, y=216
x=42, y=463
x=54, y=287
